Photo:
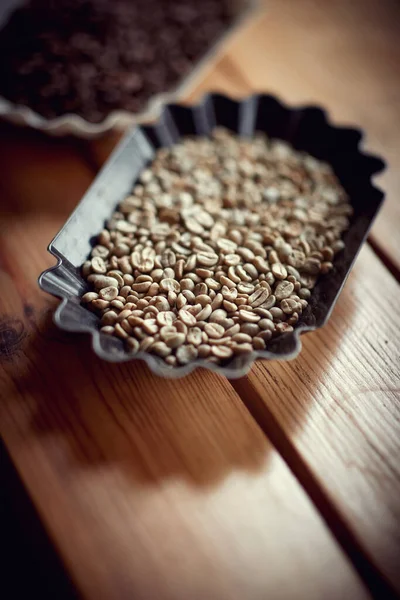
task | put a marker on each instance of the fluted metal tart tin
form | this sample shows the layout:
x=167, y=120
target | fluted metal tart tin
x=306, y=128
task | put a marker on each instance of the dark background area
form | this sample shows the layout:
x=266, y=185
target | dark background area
x=31, y=568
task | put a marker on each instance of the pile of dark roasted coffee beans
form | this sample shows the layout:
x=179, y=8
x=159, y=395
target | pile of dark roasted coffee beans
x=93, y=56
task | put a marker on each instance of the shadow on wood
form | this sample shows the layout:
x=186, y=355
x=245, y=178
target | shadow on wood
x=103, y=415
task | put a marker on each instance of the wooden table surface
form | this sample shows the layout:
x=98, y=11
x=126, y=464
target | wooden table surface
x=284, y=484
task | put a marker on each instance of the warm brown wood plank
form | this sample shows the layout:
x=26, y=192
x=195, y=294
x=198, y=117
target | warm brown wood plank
x=152, y=489
x=30, y=159
x=338, y=406
x=148, y=488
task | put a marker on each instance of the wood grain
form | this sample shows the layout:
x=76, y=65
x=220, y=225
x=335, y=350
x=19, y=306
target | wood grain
x=148, y=488
x=338, y=405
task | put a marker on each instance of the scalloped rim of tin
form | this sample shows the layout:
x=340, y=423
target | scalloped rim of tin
x=74, y=124
x=57, y=279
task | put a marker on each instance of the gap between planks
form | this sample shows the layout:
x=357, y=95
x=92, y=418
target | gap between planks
x=384, y=257
x=360, y=558
x=363, y=563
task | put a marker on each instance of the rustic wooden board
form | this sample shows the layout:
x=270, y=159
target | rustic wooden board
x=148, y=488
x=338, y=405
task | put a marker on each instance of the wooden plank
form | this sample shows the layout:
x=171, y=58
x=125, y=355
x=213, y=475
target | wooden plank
x=29, y=158
x=337, y=405
x=148, y=488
